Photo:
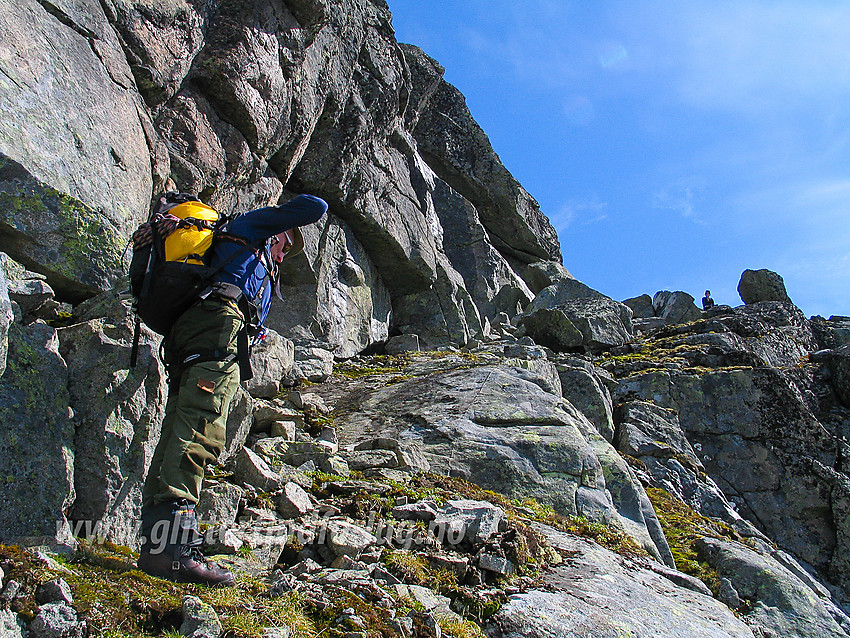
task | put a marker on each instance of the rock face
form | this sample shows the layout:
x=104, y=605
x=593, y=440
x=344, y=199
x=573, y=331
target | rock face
x=117, y=414
x=498, y=427
x=737, y=396
x=36, y=453
x=783, y=603
x=72, y=179
x=333, y=293
x=428, y=232
x=590, y=594
x=244, y=104
x=654, y=435
x=762, y=285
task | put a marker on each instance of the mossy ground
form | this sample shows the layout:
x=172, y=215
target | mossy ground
x=521, y=510
x=374, y=365
x=683, y=527
x=119, y=601
x=395, y=364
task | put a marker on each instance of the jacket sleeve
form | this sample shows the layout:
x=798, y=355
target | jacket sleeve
x=262, y=223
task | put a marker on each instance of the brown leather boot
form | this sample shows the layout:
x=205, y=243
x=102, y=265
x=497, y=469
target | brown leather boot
x=171, y=540
x=184, y=564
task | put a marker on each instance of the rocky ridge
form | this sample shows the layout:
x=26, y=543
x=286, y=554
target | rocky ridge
x=504, y=484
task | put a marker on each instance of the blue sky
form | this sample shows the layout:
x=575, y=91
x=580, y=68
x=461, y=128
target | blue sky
x=672, y=144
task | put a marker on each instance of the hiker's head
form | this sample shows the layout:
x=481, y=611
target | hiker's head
x=708, y=293
x=286, y=244
x=280, y=245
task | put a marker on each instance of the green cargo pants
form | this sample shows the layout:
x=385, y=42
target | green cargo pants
x=193, y=429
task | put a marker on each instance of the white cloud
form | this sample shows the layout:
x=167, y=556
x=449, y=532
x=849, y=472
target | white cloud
x=612, y=55
x=820, y=205
x=827, y=191
x=747, y=55
x=678, y=197
x=531, y=57
x=583, y=213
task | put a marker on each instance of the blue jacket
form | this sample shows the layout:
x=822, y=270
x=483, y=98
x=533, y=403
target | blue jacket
x=246, y=270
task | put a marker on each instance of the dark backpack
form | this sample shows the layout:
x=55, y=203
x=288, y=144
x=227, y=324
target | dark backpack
x=170, y=265
x=164, y=282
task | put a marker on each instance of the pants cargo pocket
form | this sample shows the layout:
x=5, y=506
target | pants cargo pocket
x=206, y=391
x=206, y=446
x=205, y=386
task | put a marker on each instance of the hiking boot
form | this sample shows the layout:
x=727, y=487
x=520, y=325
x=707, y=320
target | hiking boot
x=171, y=539
x=184, y=564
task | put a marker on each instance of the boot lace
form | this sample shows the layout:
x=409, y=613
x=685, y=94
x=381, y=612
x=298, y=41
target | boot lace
x=194, y=552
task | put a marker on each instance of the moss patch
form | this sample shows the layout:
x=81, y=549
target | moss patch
x=683, y=527
x=118, y=600
x=529, y=550
x=83, y=249
x=378, y=364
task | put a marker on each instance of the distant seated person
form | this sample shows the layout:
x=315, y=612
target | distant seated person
x=707, y=301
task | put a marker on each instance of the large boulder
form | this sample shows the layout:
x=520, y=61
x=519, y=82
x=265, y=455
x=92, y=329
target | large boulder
x=833, y=332
x=118, y=412
x=675, y=307
x=552, y=328
x=762, y=285
x=37, y=449
x=602, y=322
x=498, y=427
x=75, y=166
x=642, y=307
x=313, y=363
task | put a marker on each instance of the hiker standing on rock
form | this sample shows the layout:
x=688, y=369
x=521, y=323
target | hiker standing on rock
x=206, y=357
